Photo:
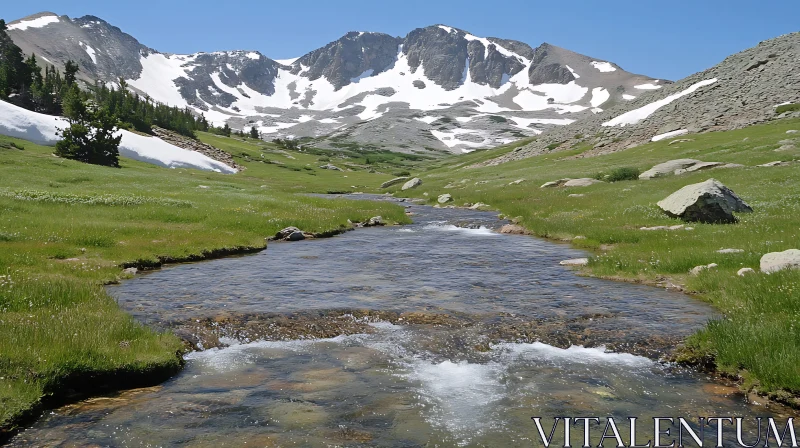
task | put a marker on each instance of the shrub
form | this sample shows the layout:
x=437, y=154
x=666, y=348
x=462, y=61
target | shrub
x=624, y=173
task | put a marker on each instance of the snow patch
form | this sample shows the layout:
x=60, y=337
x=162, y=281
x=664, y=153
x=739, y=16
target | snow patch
x=573, y=72
x=253, y=55
x=648, y=86
x=429, y=119
x=446, y=28
x=599, y=96
x=625, y=96
x=604, y=67
x=366, y=74
x=38, y=22
x=90, y=51
x=669, y=134
x=43, y=130
x=157, y=78
x=289, y=61
x=637, y=115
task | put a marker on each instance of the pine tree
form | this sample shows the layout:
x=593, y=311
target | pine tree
x=254, y=133
x=90, y=135
x=70, y=70
x=226, y=130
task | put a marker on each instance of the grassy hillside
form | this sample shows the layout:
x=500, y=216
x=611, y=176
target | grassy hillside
x=66, y=228
x=758, y=337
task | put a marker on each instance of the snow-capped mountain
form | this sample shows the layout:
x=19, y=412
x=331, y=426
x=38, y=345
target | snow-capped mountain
x=437, y=89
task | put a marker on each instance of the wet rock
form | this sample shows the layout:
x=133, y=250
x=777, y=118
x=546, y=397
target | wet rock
x=667, y=168
x=698, y=269
x=730, y=251
x=575, y=262
x=555, y=183
x=709, y=202
x=444, y=198
x=413, y=183
x=331, y=167
x=514, y=229
x=583, y=182
x=394, y=181
x=745, y=271
x=291, y=234
x=778, y=261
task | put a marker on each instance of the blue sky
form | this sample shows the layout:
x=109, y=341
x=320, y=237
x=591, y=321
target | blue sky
x=666, y=39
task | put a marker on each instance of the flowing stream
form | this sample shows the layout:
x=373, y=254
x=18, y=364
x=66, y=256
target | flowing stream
x=440, y=333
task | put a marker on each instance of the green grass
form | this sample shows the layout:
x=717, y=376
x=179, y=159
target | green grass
x=66, y=228
x=787, y=108
x=757, y=336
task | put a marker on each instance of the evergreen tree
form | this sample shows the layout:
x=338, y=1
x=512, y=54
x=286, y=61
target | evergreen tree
x=70, y=70
x=226, y=130
x=254, y=133
x=90, y=135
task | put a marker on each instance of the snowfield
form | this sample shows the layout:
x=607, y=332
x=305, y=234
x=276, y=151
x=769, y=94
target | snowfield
x=604, y=67
x=637, y=115
x=38, y=22
x=43, y=130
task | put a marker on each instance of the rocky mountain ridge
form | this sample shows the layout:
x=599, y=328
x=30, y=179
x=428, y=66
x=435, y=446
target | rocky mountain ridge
x=437, y=89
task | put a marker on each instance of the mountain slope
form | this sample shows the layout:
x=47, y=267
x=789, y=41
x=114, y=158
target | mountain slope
x=437, y=89
x=742, y=90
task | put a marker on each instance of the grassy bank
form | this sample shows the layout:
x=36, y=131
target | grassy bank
x=66, y=228
x=758, y=338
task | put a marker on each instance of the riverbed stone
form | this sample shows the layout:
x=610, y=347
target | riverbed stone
x=778, y=261
x=514, y=229
x=708, y=202
x=413, y=183
x=444, y=198
x=394, y=181
x=575, y=262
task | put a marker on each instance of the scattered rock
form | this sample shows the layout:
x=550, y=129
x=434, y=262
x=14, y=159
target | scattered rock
x=444, y=198
x=394, y=181
x=732, y=165
x=517, y=182
x=514, y=229
x=698, y=269
x=744, y=271
x=675, y=227
x=730, y=251
x=196, y=145
x=477, y=206
x=680, y=140
x=579, y=237
x=413, y=183
x=374, y=222
x=791, y=131
x=296, y=236
x=709, y=202
x=331, y=167
x=775, y=163
x=579, y=195
x=202, y=186
x=555, y=183
x=777, y=261
x=788, y=147
x=575, y=262
x=698, y=167
x=582, y=182
x=130, y=271
x=291, y=234
x=666, y=168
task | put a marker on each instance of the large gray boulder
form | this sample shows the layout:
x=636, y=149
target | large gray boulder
x=394, y=181
x=413, y=183
x=777, y=261
x=709, y=202
x=667, y=168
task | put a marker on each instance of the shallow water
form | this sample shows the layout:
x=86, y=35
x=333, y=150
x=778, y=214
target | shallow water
x=474, y=379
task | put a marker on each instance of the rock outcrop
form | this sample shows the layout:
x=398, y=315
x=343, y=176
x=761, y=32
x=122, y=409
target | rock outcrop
x=413, y=183
x=708, y=202
x=196, y=145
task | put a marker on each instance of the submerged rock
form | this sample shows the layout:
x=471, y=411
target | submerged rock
x=709, y=202
x=778, y=261
x=413, y=183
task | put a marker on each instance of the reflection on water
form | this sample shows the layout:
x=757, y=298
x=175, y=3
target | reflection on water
x=398, y=384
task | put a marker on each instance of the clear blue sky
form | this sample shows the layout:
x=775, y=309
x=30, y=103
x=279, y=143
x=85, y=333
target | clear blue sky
x=666, y=39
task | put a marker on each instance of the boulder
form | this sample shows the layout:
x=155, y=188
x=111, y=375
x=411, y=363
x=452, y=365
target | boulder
x=555, y=183
x=667, y=168
x=778, y=261
x=444, y=198
x=284, y=233
x=582, y=182
x=791, y=131
x=698, y=269
x=575, y=262
x=477, y=206
x=394, y=181
x=744, y=271
x=709, y=202
x=413, y=183
x=514, y=229
x=331, y=167
x=517, y=182
x=296, y=236
x=130, y=271
x=698, y=167
x=374, y=222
